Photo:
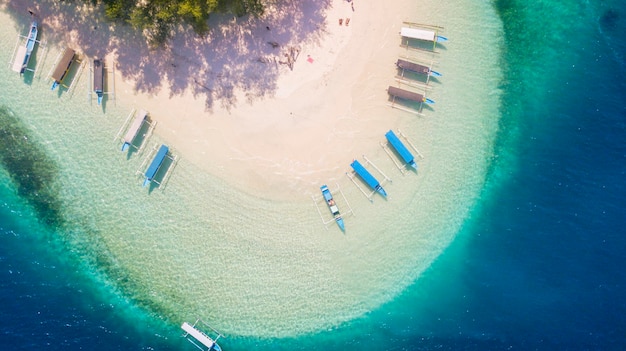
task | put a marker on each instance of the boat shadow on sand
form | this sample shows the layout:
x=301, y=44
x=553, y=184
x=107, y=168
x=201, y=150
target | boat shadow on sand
x=233, y=62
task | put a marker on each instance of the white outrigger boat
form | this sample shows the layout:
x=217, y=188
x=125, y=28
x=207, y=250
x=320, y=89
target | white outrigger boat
x=208, y=343
x=24, y=53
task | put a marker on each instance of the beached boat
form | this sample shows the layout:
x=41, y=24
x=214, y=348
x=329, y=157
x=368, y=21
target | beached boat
x=208, y=343
x=417, y=68
x=134, y=129
x=422, y=34
x=408, y=95
x=368, y=178
x=98, y=79
x=62, y=67
x=25, y=52
x=156, y=163
x=404, y=153
x=332, y=206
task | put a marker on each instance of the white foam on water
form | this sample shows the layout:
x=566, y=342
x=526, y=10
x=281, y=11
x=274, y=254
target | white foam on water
x=251, y=266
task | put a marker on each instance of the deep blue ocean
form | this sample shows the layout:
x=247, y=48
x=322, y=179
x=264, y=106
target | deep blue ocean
x=539, y=265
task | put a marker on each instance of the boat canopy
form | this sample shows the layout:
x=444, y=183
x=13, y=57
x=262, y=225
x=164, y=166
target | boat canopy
x=400, y=148
x=64, y=65
x=198, y=335
x=20, y=56
x=156, y=163
x=134, y=128
x=419, y=34
x=405, y=94
x=365, y=174
x=98, y=76
x=411, y=66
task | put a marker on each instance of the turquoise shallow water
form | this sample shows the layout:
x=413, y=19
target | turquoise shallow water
x=530, y=269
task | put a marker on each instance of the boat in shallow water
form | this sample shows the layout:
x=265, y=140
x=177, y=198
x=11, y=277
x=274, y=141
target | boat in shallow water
x=368, y=178
x=98, y=79
x=25, y=52
x=332, y=206
x=404, y=153
x=62, y=68
x=156, y=163
x=208, y=343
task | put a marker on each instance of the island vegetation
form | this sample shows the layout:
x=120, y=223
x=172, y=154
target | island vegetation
x=157, y=19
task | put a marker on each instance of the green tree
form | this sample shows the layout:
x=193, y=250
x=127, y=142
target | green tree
x=157, y=19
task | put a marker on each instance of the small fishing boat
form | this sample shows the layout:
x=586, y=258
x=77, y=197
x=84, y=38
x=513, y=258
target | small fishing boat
x=156, y=163
x=409, y=95
x=422, y=34
x=98, y=79
x=208, y=343
x=62, y=68
x=368, y=178
x=417, y=68
x=332, y=206
x=134, y=129
x=27, y=50
x=404, y=153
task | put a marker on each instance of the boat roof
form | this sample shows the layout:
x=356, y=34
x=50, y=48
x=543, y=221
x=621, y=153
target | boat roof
x=134, y=128
x=19, y=59
x=198, y=335
x=326, y=192
x=420, y=34
x=405, y=94
x=98, y=75
x=365, y=174
x=412, y=66
x=399, y=147
x=156, y=161
x=63, y=65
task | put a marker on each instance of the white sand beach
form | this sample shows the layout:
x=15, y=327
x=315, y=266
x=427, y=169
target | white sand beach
x=311, y=123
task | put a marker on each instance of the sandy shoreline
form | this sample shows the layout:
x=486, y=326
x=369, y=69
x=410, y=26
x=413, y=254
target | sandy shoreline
x=298, y=131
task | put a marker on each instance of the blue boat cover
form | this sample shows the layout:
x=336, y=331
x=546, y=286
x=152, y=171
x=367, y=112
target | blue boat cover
x=365, y=174
x=399, y=146
x=156, y=162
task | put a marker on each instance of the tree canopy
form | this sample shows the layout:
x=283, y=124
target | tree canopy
x=157, y=19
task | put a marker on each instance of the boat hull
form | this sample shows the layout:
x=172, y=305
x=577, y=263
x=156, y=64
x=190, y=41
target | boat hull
x=332, y=206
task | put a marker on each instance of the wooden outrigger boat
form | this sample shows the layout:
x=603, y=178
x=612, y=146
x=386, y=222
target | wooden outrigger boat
x=62, y=68
x=207, y=342
x=332, y=206
x=134, y=129
x=368, y=178
x=24, y=52
x=408, y=95
x=156, y=163
x=98, y=79
x=417, y=68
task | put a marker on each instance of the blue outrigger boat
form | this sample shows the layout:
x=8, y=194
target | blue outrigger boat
x=404, y=153
x=332, y=206
x=156, y=163
x=98, y=79
x=368, y=177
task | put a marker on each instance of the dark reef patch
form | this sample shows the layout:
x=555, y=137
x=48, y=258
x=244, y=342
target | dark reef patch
x=609, y=19
x=31, y=170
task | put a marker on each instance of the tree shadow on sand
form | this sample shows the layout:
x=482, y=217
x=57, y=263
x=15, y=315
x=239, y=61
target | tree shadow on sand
x=239, y=57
